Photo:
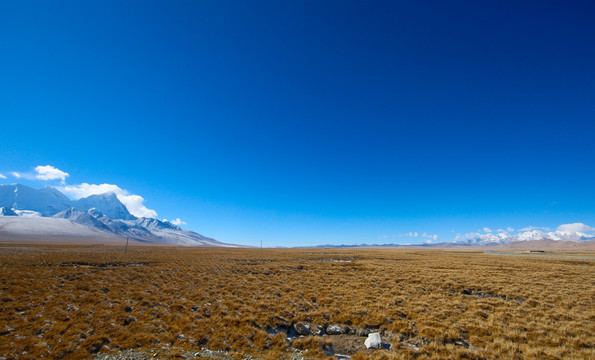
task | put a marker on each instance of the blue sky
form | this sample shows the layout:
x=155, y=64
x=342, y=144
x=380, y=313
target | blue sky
x=333, y=122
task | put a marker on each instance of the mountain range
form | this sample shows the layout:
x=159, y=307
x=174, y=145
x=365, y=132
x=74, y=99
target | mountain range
x=29, y=212
x=42, y=214
x=503, y=238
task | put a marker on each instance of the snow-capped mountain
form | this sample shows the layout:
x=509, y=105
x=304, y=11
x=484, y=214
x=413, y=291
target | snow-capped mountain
x=143, y=229
x=107, y=203
x=47, y=201
x=83, y=218
x=27, y=211
x=501, y=238
x=4, y=211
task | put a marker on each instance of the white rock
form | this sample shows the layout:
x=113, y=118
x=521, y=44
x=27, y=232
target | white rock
x=373, y=341
x=334, y=330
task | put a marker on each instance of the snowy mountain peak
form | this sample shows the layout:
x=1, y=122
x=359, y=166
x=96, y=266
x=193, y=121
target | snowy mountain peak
x=97, y=215
x=94, y=212
x=530, y=235
x=46, y=201
x=5, y=211
x=155, y=224
x=50, y=201
x=107, y=203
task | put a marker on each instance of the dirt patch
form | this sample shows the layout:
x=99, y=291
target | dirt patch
x=353, y=344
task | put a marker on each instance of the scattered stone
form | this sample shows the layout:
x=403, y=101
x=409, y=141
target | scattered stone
x=319, y=330
x=334, y=330
x=302, y=329
x=462, y=342
x=129, y=308
x=362, y=331
x=328, y=349
x=94, y=349
x=373, y=341
x=129, y=320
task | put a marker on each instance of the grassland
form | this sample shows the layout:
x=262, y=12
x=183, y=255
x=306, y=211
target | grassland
x=76, y=302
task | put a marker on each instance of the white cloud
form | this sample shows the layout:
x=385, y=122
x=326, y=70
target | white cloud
x=134, y=203
x=42, y=172
x=510, y=229
x=415, y=234
x=487, y=230
x=410, y=234
x=2, y=176
x=575, y=227
x=430, y=236
x=177, y=221
x=531, y=228
x=48, y=172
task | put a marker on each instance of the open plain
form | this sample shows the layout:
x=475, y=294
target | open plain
x=79, y=302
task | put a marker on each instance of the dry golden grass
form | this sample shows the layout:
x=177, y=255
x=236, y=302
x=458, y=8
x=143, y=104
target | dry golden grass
x=69, y=302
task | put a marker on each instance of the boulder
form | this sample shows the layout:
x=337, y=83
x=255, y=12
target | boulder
x=334, y=330
x=302, y=329
x=373, y=341
x=319, y=330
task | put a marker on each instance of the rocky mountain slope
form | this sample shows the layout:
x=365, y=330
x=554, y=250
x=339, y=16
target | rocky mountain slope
x=25, y=211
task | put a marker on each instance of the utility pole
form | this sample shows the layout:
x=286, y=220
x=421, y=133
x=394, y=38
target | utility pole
x=261, y=246
x=126, y=249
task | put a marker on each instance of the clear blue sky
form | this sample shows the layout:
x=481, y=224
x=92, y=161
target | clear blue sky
x=310, y=122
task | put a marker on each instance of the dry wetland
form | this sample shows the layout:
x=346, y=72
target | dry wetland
x=95, y=302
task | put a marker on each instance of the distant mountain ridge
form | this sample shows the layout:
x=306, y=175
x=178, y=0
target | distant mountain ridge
x=504, y=238
x=50, y=201
x=107, y=203
x=103, y=215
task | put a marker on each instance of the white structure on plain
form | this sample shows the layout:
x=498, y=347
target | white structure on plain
x=373, y=341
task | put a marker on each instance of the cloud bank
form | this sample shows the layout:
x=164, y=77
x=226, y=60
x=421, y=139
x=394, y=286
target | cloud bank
x=48, y=172
x=42, y=172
